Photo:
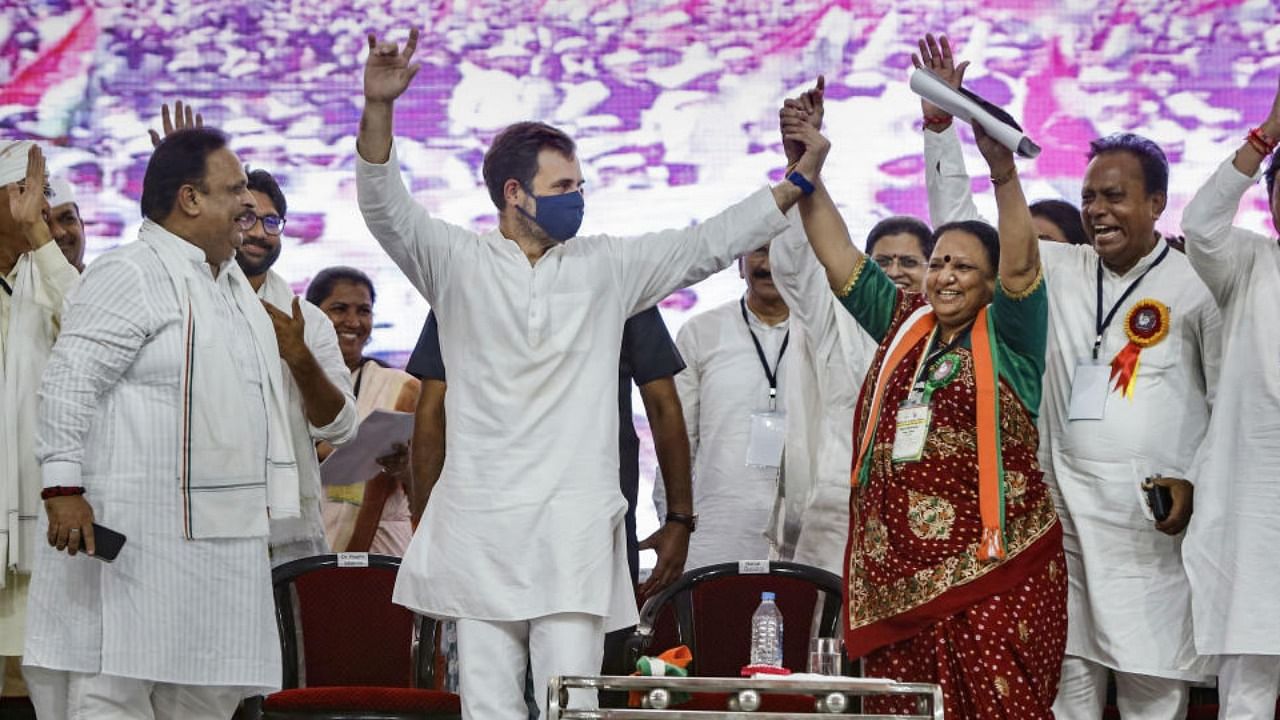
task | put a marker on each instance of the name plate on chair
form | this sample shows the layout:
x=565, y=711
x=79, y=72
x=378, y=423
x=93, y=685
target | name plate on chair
x=753, y=567
x=353, y=559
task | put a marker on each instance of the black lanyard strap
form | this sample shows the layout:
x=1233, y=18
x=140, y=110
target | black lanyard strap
x=932, y=358
x=1101, y=325
x=359, y=378
x=5, y=286
x=770, y=374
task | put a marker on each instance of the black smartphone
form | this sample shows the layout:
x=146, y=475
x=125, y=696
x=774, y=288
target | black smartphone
x=106, y=543
x=1159, y=499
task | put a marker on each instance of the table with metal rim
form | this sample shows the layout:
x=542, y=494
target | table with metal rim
x=744, y=697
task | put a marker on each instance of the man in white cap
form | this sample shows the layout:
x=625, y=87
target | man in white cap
x=34, y=278
x=64, y=222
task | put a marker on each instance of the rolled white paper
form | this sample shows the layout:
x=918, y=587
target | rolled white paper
x=936, y=90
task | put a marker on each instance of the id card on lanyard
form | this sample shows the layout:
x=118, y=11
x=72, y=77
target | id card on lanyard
x=768, y=429
x=915, y=413
x=1089, y=385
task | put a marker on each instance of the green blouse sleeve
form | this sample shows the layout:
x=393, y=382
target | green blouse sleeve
x=871, y=297
x=1022, y=332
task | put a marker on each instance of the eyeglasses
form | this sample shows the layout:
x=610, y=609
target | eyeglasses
x=271, y=224
x=906, y=262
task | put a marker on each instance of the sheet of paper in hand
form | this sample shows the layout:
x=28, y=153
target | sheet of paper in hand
x=357, y=461
x=972, y=108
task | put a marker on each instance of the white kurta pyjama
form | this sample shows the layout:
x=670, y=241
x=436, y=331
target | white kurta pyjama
x=1128, y=600
x=197, y=612
x=830, y=354
x=1230, y=550
x=40, y=282
x=294, y=538
x=723, y=383
x=527, y=518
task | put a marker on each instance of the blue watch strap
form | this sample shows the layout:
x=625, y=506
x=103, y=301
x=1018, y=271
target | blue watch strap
x=800, y=181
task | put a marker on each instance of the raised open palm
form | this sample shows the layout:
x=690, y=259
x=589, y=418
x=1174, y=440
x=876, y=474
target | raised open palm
x=183, y=117
x=27, y=205
x=935, y=55
x=388, y=72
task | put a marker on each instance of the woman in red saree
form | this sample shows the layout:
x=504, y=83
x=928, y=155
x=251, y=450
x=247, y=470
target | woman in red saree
x=955, y=573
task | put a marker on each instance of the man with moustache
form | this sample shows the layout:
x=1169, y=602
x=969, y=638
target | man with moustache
x=65, y=222
x=523, y=540
x=733, y=385
x=1132, y=364
x=34, y=280
x=163, y=416
x=1230, y=548
x=321, y=404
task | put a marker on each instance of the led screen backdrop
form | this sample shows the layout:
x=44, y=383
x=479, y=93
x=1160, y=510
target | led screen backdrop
x=673, y=104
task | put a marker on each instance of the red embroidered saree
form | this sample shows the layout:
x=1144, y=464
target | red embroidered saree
x=921, y=604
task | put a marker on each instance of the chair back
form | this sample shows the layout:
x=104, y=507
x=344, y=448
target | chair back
x=339, y=627
x=709, y=609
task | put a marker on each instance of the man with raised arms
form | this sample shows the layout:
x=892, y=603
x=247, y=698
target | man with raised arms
x=523, y=540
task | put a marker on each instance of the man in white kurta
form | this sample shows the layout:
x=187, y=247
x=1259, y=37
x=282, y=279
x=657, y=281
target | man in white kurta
x=1231, y=546
x=1129, y=606
x=321, y=404
x=725, y=383
x=34, y=280
x=830, y=354
x=523, y=538
x=162, y=404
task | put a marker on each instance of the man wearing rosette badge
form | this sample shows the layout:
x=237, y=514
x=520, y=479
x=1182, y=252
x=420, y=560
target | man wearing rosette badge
x=523, y=541
x=1131, y=368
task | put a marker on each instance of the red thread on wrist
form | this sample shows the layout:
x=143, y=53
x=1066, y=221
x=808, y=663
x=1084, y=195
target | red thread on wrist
x=1261, y=141
x=943, y=121
x=60, y=491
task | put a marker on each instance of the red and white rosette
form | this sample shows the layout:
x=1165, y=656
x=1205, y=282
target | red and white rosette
x=1146, y=324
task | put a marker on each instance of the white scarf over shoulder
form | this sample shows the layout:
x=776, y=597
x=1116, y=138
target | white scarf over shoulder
x=34, y=310
x=222, y=488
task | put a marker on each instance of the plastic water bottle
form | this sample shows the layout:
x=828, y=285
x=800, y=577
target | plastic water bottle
x=766, y=633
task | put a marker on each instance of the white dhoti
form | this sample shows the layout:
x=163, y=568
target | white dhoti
x=1247, y=686
x=81, y=696
x=493, y=657
x=1082, y=693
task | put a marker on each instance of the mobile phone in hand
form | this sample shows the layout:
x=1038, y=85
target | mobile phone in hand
x=1159, y=499
x=106, y=543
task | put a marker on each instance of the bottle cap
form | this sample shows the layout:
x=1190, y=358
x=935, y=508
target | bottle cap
x=766, y=596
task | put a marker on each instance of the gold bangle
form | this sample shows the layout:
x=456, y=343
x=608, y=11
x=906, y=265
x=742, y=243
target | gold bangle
x=998, y=180
x=853, y=278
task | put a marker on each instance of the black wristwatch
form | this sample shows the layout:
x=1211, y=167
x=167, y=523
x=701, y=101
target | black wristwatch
x=689, y=521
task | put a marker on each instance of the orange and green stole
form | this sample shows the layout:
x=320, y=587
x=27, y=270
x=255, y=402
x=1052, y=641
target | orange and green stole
x=922, y=324
x=969, y=519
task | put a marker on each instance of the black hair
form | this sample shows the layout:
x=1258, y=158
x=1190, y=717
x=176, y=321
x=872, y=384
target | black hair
x=262, y=181
x=899, y=225
x=322, y=284
x=180, y=159
x=514, y=154
x=1065, y=216
x=1155, y=166
x=986, y=234
x=1272, y=169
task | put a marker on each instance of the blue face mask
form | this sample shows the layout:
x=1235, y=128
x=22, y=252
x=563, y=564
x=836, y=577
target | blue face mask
x=559, y=216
